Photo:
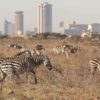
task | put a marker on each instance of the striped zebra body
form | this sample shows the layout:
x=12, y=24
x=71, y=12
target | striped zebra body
x=61, y=50
x=94, y=64
x=65, y=49
x=15, y=65
x=18, y=64
x=70, y=48
x=58, y=50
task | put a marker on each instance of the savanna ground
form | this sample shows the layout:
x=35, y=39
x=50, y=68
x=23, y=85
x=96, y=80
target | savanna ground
x=69, y=79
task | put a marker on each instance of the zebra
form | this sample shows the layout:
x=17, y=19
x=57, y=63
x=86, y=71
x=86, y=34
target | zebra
x=94, y=64
x=15, y=46
x=60, y=49
x=71, y=48
x=65, y=49
x=36, y=50
x=18, y=65
x=38, y=60
x=14, y=65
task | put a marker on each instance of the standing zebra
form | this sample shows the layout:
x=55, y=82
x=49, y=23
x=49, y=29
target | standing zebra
x=94, y=64
x=60, y=49
x=14, y=65
x=38, y=60
x=15, y=46
x=20, y=64
x=70, y=48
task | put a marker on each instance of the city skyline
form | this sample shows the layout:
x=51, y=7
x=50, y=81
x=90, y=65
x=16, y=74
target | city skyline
x=85, y=11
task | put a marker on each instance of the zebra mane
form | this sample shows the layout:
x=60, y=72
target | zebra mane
x=20, y=53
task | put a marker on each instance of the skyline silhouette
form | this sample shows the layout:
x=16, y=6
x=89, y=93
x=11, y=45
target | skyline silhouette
x=81, y=11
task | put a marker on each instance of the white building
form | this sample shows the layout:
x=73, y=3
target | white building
x=94, y=28
x=44, y=21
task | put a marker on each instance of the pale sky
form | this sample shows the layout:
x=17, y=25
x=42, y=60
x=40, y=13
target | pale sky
x=81, y=11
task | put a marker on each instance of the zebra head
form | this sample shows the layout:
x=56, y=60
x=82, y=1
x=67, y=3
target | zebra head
x=47, y=63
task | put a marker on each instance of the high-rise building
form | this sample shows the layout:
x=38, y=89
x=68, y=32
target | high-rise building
x=19, y=27
x=8, y=28
x=44, y=18
x=6, y=25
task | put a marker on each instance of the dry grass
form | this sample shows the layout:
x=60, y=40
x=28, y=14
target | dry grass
x=69, y=80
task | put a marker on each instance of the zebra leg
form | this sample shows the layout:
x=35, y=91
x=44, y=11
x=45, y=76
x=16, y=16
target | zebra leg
x=66, y=53
x=34, y=73
x=18, y=77
x=2, y=80
x=4, y=76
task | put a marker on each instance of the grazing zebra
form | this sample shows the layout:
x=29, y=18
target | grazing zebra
x=65, y=49
x=60, y=49
x=14, y=65
x=38, y=60
x=94, y=64
x=15, y=46
x=70, y=48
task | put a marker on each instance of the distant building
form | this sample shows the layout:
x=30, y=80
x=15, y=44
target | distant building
x=71, y=28
x=73, y=32
x=94, y=28
x=8, y=28
x=82, y=27
x=19, y=26
x=44, y=18
x=63, y=26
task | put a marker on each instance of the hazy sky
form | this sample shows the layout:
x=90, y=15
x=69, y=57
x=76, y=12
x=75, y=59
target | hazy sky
x=82, y=11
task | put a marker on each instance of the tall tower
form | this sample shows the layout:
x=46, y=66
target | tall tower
x=8, y=28
x=44, y=18
x=19, y=22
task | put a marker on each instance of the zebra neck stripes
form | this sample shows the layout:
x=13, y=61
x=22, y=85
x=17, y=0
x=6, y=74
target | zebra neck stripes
x=38, y=59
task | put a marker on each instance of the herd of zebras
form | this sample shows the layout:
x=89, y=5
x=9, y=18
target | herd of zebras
x=28, y=59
